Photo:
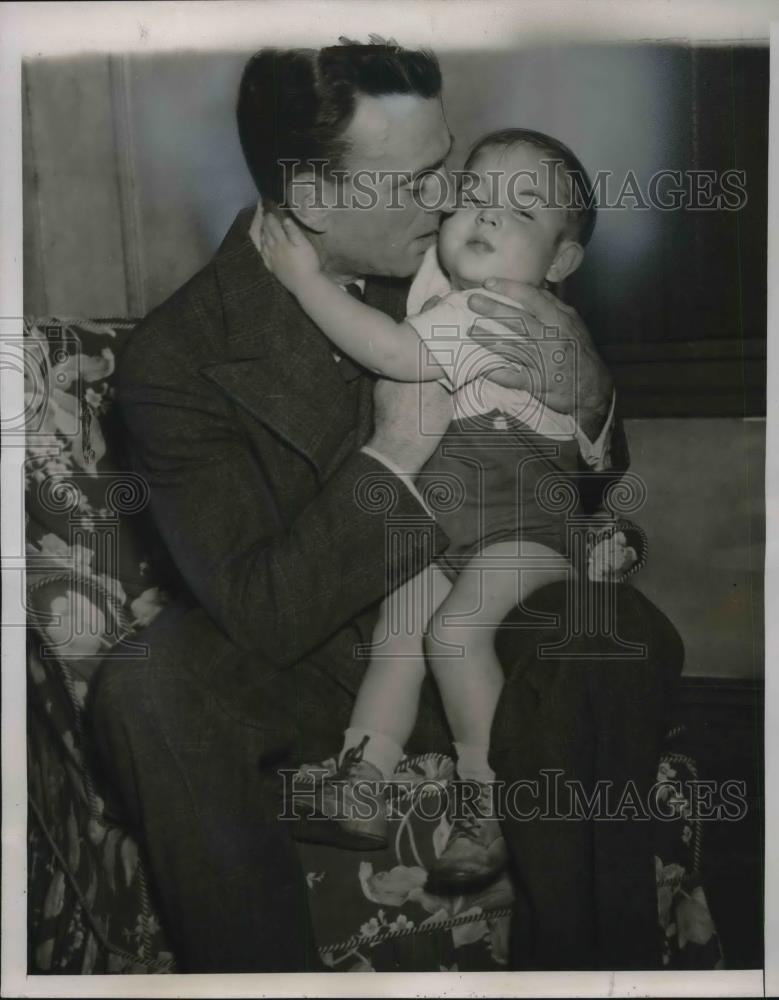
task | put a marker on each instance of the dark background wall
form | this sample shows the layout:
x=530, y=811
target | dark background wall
x=133, y=173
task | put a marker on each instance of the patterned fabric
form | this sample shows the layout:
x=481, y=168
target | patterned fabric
x=89, y=908
x=365, y=905
x=689, y=937
x=90, y=541
x=90, y=583
x=97, y=573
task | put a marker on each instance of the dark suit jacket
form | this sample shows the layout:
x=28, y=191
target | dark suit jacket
x=249, y=436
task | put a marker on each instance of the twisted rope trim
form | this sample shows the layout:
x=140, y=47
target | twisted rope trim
x=697, y=828
x=98, y=325
x=153, y=965
x=69, y=681
x=125, y=629
x=386, y=935
x=75, y=578
x=637, y=536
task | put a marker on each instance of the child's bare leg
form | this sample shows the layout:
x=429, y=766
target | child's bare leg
x=470, y=686
x=388, y=700
x=470, y=683
x=350, y=796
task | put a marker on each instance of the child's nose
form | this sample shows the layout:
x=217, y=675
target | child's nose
x=488, y=217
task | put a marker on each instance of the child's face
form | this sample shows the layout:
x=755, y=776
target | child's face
x=511, y=223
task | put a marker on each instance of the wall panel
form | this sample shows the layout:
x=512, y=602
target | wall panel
x=72, y=191
x=705, y=518
x=188, y=171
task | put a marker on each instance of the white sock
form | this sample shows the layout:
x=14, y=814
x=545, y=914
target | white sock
x=472, y=764
x=380, y=750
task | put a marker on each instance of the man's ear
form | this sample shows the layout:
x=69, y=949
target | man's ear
x=568, y=257
x=310, y=199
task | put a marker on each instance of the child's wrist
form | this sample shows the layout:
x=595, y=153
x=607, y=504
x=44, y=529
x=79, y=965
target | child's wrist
x=306, y=283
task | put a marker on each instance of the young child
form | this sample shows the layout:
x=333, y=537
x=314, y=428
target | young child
x=519, y=220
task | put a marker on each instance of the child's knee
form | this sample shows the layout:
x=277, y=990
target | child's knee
x=397, y=645
x=398, y=634
x=450, y=637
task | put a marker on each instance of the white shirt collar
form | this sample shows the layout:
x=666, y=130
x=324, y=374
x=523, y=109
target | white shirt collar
x=428, y=281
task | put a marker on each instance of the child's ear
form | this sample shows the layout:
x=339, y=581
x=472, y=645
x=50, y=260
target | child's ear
x=309, y=201
x=568, y=257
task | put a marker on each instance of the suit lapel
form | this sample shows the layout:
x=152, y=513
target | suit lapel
x=279, y=366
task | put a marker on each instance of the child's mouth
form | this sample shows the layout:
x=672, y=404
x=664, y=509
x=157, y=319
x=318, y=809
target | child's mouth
x=479, y=245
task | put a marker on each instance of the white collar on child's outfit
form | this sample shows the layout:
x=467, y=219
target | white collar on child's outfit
x=430, y=281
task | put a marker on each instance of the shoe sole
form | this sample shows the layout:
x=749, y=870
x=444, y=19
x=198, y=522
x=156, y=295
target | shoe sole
x=459, y=884
x=323, y=830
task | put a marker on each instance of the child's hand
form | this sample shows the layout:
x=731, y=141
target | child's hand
x=287, y=253
x=611, y=557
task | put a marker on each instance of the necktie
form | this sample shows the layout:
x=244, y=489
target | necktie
x=355, y=291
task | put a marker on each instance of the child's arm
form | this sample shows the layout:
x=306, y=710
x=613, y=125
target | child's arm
x=374, y=340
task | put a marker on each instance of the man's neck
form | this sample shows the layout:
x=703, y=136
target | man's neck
x=333, y=269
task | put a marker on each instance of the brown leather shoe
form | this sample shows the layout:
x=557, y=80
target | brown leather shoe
x=475, y=852
x=341, y=805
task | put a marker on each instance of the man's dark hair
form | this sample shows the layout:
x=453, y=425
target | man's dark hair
x=295, y=104
x=579, y=197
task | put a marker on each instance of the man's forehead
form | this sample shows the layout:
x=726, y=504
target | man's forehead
x=397, y=132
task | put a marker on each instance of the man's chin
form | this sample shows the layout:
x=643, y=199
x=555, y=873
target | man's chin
x=404, y=265
x=407, y=267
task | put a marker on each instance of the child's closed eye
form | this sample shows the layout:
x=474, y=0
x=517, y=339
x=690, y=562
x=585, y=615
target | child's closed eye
x=470, y=200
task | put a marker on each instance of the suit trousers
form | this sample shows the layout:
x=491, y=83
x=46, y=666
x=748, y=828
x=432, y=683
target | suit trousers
x=196, y=771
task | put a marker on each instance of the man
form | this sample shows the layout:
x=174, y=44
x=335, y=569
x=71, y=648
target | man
x=265, y=456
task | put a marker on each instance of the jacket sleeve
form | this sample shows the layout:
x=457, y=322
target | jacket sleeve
x=276, y=587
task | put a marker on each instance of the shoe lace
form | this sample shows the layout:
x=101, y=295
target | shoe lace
x=351, y=758
x=468, y=823
x=466, y=826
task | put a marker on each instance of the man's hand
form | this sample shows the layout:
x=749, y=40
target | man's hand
x=552, y=345
x=409, y=420
x=287, y=253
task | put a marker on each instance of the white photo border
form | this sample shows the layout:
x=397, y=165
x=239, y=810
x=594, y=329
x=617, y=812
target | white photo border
x=39, y=29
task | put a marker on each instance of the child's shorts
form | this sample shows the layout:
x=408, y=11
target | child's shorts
x=491, y=479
